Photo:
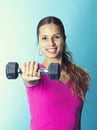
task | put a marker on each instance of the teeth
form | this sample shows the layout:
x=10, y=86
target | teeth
x=51, y=50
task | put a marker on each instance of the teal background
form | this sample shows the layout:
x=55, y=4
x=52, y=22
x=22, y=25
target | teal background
x=18, y=23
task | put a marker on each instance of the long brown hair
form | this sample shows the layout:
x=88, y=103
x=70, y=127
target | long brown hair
x=79, y=78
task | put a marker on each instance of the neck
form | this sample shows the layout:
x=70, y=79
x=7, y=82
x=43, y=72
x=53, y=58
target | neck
x=46, y=61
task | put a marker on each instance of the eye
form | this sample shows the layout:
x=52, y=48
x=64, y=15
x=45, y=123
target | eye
x=57, y=36
x=44, y=38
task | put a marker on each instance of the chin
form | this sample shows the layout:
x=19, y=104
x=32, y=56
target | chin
x=54, y=57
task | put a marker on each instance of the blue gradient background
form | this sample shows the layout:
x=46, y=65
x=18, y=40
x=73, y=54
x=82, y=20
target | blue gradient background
x=18, y=22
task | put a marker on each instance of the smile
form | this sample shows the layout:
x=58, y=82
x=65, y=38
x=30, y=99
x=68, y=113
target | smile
x=52, y=50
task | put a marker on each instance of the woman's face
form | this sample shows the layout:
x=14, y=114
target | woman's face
x=51, y=40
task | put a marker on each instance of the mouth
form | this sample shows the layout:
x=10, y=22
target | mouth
x=52, y=50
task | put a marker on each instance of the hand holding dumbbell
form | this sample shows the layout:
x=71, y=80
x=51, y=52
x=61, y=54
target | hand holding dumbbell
x=31, y=71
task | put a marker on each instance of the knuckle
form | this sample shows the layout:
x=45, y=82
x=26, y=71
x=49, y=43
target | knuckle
x=27, y=62
x=32, y=62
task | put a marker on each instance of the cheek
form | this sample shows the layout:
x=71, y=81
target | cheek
x=42, y=46
x=60, y=45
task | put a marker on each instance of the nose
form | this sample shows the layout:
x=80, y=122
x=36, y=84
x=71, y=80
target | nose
x=51, y=42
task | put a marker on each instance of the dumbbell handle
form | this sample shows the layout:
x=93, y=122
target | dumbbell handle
x=41, y=70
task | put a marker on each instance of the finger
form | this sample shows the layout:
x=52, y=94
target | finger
x=36, y=68
x=31, y=68
x=23, y=68
x=38, y=74
x=27, y=67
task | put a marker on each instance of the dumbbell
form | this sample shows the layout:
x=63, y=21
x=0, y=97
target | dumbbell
x=13, y=70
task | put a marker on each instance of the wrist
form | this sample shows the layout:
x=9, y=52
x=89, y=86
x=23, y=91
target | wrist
x=31, y=83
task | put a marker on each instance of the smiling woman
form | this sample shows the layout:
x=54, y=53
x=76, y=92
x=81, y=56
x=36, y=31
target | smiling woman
x=50, y=101
x=51, y=41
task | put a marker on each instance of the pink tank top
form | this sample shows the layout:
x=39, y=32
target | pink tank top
x=53, y=106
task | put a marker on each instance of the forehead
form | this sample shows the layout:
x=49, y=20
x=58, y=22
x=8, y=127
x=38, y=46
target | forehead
x=49, y=29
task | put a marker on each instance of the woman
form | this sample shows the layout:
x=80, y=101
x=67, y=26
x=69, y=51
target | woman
x=55, y=104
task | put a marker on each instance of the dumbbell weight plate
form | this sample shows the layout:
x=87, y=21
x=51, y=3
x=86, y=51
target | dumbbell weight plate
x=54, y=71
x=12, y=70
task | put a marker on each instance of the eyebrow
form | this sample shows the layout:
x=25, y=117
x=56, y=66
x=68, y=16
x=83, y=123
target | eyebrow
x=53, y=34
